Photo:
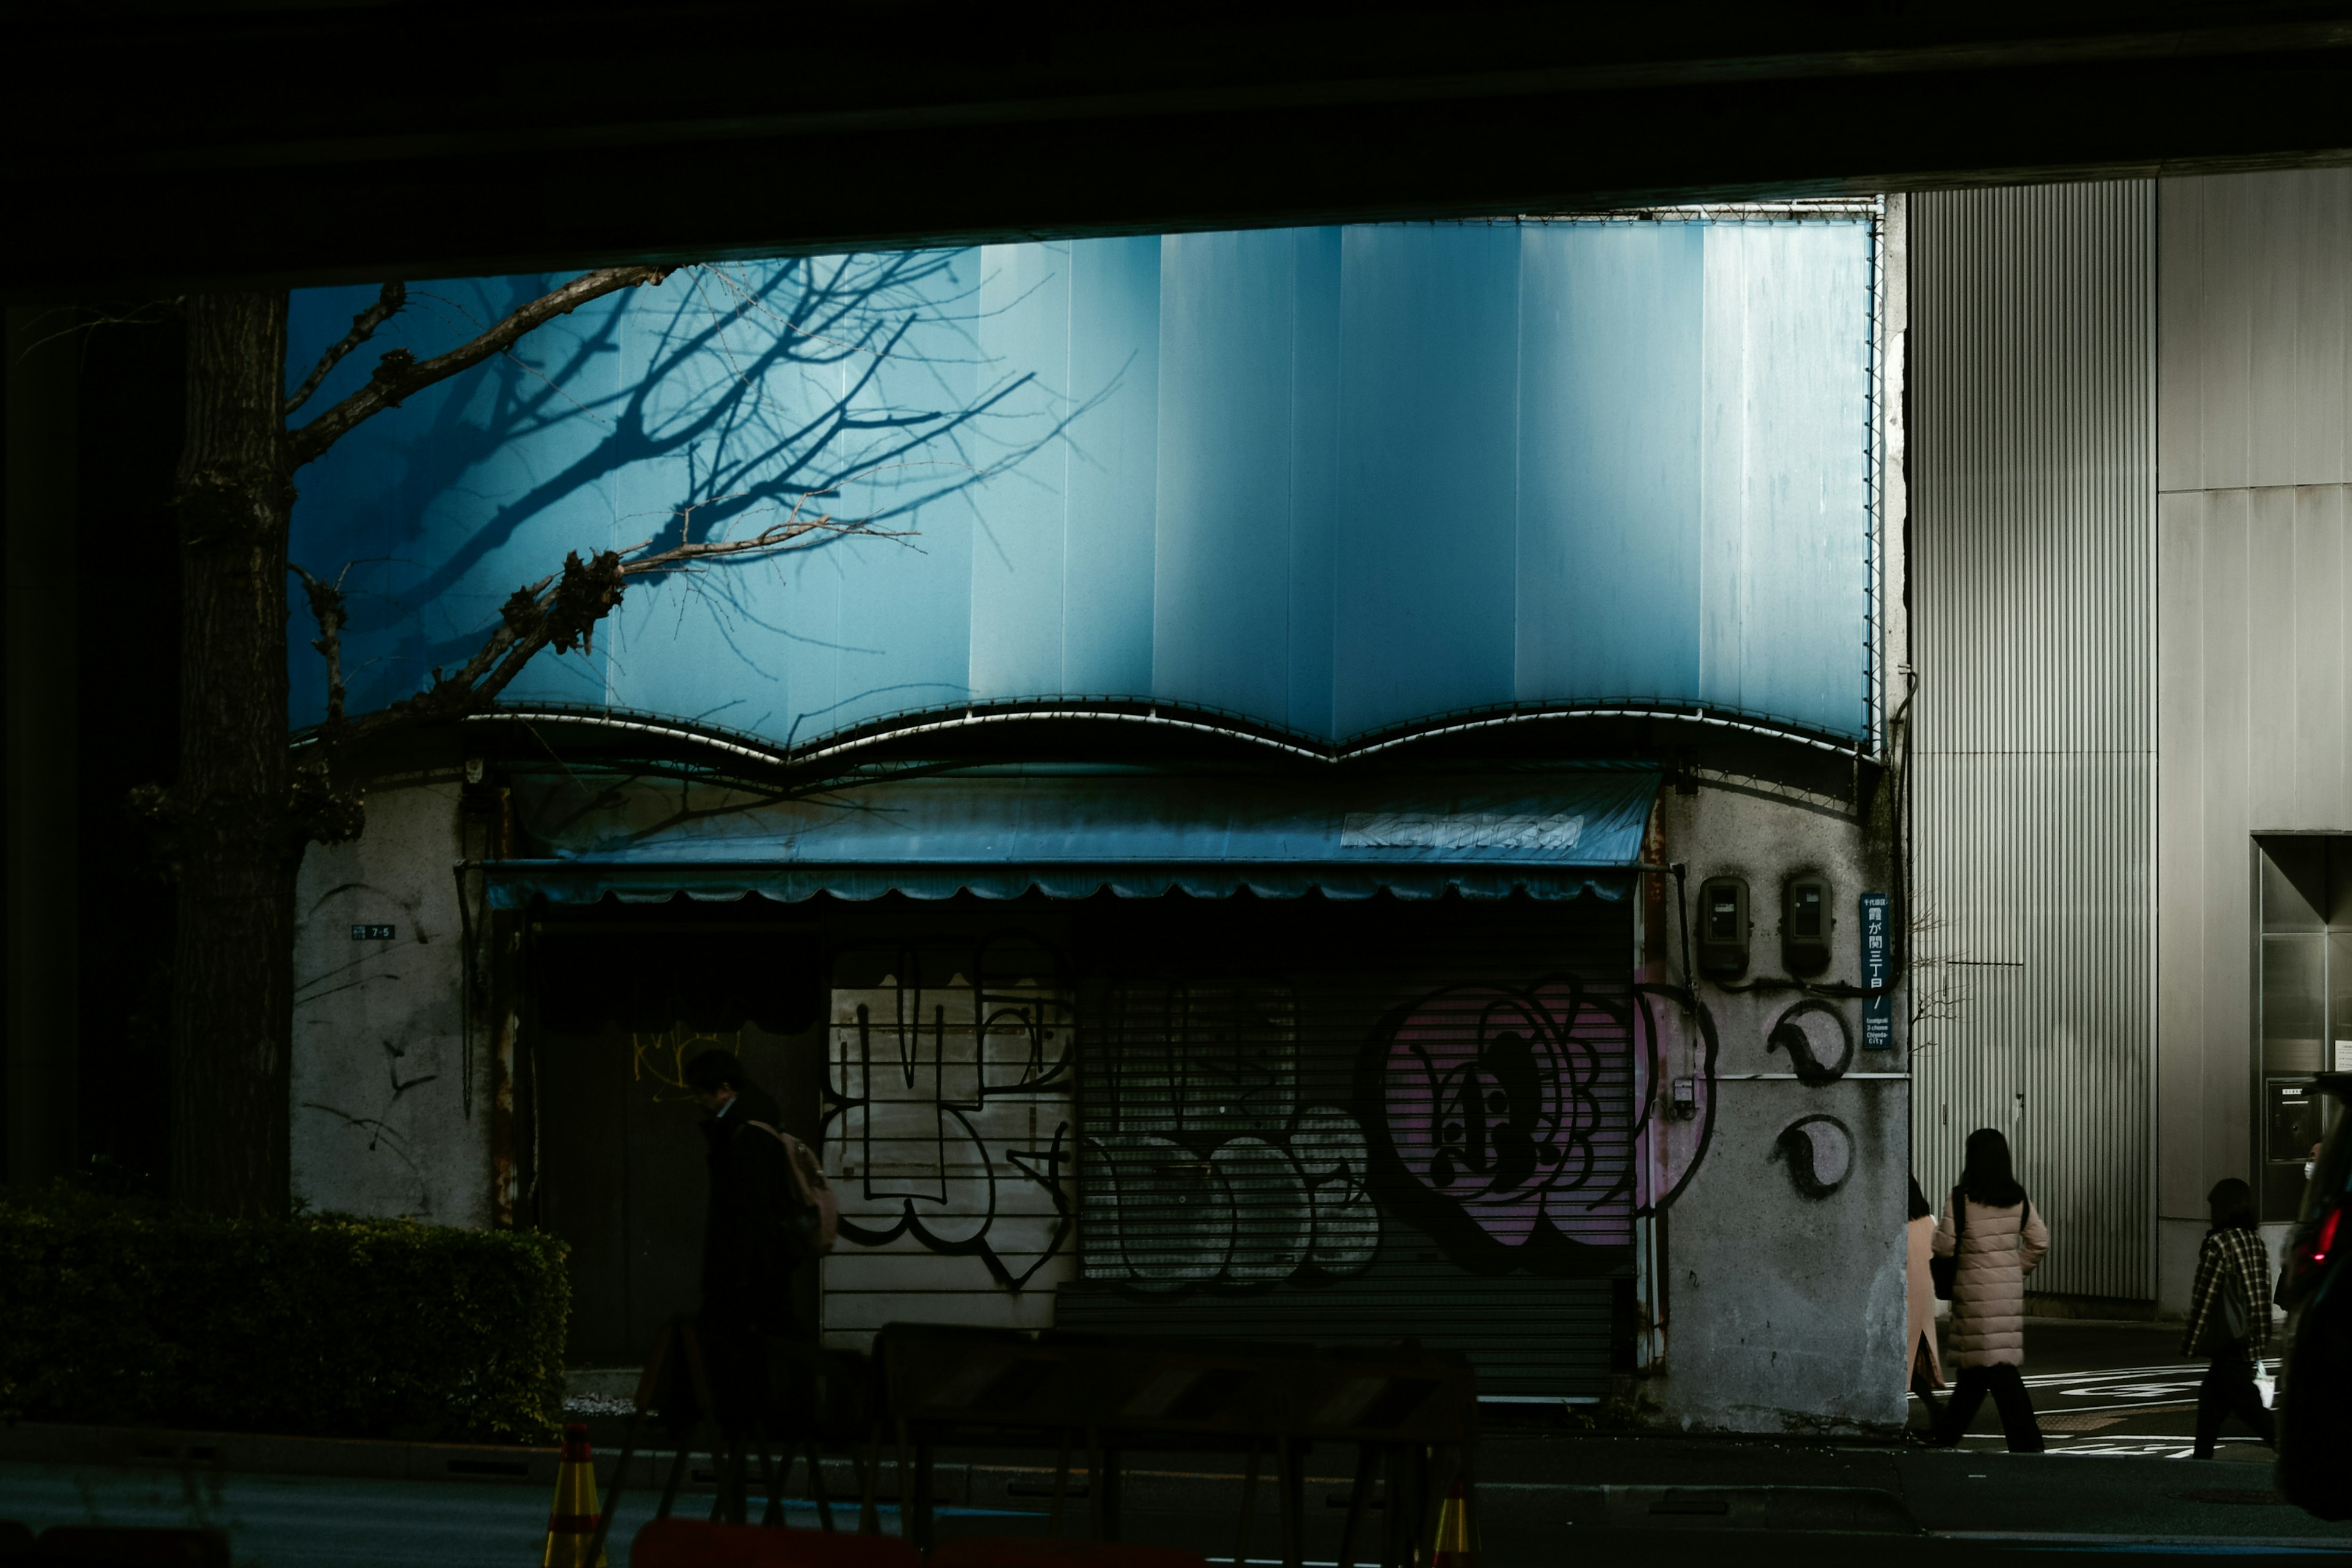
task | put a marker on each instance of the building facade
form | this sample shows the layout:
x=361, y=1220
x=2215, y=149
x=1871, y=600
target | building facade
x=1324, y=784
x=2133, y=823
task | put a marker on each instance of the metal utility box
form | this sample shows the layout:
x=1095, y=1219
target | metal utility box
x=1723, y=926
x=1805, y=925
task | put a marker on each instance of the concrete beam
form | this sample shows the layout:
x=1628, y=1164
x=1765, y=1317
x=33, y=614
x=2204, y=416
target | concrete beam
x=300, y=143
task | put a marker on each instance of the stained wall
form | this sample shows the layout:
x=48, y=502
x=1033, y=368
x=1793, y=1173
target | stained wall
x=1778, y=1276
x=392, y=1111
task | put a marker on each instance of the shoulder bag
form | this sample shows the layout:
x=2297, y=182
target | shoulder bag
x=1944, y=1271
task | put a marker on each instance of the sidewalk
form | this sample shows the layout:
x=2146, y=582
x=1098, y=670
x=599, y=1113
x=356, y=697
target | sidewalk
x=2113, y=1391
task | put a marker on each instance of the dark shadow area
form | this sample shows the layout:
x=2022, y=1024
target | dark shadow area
x=127, y=585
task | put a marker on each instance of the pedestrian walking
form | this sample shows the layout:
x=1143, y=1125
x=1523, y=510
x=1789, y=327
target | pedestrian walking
x=2230, y=1316
x=755, y=1237
x=1926, y=1368
x=1994, y=1236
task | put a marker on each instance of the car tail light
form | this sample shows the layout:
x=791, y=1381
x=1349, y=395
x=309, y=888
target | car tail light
x=2310, y=1254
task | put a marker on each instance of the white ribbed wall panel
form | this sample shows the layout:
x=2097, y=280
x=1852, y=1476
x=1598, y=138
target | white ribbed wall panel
x=2032, y=387
x=2254, y=627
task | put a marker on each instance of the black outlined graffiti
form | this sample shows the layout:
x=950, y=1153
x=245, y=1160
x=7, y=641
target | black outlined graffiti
x=381, y=1134
x=1802, y=1030
x=1673, y=1036
x=1818, y=1151
x=1206, y=1169
x=1505, y=1118
x=948, y=1104
x=391, y=1055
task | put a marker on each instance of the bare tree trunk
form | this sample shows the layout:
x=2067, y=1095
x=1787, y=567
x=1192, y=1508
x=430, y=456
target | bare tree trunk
x=233, y=835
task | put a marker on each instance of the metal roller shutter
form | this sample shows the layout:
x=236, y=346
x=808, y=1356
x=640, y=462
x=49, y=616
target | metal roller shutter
x=1351, y=1123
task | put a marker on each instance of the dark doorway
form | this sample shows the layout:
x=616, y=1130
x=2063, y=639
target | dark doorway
x=623, y=1003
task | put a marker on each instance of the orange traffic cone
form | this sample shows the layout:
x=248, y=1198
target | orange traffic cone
x=571, y=1523
x=1453, y=1547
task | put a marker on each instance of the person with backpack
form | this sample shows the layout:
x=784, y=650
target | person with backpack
x=759, y=1231
x=771, y=1215
x=2230, y=1316
x=1993, y=1236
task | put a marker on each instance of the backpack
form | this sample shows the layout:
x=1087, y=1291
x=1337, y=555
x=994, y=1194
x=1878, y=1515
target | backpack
x=820, y=1215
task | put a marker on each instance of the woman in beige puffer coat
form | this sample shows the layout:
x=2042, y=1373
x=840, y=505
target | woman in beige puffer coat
x=1997, y=1236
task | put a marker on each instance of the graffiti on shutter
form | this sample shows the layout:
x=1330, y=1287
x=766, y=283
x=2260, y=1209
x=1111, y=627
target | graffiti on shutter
x=948, y=1132
x=1206, y=1166
x=1507, y=1110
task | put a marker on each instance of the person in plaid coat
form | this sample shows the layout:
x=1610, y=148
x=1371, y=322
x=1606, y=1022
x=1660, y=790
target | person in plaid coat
x=2230, y=1316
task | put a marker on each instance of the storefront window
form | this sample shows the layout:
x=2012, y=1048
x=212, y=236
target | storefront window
x=2304, y=984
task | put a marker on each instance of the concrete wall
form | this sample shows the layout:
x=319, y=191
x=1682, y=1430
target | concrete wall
x=385, y=1122
x=1785, y=1306
x=2253, y=626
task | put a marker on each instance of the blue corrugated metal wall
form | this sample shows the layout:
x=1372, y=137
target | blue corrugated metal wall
x=1334, y=480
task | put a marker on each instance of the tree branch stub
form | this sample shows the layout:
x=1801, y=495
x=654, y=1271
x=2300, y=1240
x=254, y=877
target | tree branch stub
x=400, y=375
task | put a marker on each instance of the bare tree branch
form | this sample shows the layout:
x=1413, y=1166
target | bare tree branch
x=327, y=608
x=559, y=611
x=387, y=305
x=399, y=375
x=1939, y=994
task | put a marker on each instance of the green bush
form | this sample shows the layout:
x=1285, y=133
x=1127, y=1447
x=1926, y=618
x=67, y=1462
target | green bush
x=128, y=1312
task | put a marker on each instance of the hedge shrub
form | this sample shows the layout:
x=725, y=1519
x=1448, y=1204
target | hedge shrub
x=127, y=1312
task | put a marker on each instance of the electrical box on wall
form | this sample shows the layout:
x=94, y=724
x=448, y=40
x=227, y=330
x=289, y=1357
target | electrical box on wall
x=1805, y=925
x=1723, y=925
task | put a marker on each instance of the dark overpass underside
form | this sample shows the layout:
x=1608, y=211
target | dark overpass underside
x=201, y=143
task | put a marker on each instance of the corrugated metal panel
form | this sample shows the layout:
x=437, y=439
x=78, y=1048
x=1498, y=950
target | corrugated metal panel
x=2033, y=487
x=1572, y=463
x=1350, y=1137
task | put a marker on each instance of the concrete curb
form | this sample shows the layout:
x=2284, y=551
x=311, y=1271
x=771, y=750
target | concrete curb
x=263, y=1454
x=2049, y=1539
x=997, y=1487
x=1867, y=1511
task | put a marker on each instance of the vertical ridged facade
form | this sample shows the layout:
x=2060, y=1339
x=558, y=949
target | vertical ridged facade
x=2033, y=485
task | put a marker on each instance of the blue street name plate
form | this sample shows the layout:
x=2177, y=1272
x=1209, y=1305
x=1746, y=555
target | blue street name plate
x=1877, y=1008
x=372, y=933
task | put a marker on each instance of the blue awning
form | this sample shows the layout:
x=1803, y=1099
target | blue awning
x=1554, y=835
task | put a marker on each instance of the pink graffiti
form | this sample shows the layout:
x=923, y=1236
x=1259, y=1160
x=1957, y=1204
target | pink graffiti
x=1517, y=1107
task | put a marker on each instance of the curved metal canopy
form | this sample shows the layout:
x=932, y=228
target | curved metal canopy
x=1071, y=832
